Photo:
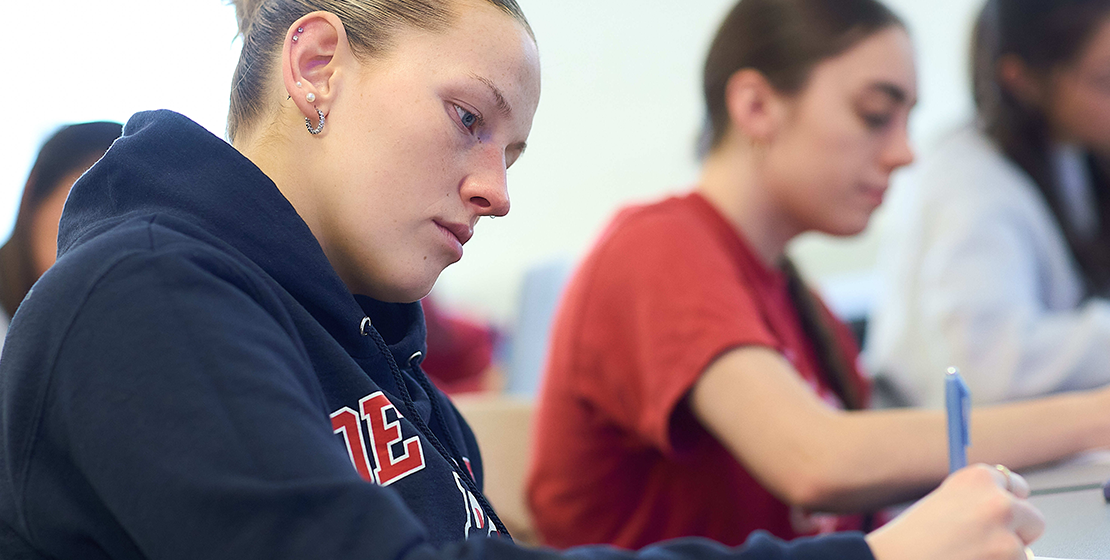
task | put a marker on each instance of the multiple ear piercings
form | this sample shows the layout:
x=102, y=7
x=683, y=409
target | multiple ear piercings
x=311, y=98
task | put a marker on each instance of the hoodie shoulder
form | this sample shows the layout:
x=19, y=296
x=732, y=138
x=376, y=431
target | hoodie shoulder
x=138, y=269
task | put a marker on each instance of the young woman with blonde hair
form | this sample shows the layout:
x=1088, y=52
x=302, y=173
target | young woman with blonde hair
x=225, y=360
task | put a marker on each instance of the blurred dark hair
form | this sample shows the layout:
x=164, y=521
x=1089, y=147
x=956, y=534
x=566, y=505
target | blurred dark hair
x=1044, y=35
x=784, y=40
x=71, y=148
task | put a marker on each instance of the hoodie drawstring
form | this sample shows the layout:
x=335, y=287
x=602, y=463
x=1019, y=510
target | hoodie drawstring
x=454, y=456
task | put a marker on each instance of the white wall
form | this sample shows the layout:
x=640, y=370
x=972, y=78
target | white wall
x=618, y=117
x=75, y=60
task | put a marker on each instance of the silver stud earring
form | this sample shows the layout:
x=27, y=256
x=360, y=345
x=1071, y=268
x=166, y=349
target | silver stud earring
x=311, y=97
x=319, y=128
x=300, y=30
x=296, y=38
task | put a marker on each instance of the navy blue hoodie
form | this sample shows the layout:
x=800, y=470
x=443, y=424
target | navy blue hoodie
x=193, y=380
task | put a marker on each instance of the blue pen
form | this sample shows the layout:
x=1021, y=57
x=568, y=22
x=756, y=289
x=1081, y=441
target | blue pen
x=957, y=400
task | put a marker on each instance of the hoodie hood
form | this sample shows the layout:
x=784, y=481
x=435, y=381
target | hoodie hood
x=213, y=192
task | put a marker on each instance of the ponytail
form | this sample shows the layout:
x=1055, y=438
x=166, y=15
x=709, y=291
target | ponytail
x=839, y=373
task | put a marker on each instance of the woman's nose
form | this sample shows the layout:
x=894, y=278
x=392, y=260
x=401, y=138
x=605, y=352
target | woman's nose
x=488, y=190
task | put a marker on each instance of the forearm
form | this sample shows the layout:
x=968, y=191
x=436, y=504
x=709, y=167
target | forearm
x=759, y=546
x=896, y=454
x=1030, y=433
x=811, y=455
x=878, y=458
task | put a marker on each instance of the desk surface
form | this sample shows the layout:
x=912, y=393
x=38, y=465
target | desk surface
x=1077, y=519
x=1078, y=525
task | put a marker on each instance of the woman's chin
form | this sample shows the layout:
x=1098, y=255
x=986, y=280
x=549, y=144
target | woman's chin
x=409, y=293
x=847, y=228
x=402, y=289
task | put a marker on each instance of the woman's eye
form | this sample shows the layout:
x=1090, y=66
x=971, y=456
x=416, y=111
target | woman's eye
x=468, y=119
x=876, y=120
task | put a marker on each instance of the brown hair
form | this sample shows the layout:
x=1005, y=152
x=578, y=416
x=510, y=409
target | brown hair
x=783, y=40
x=71, y=148
x=370, y=27
x=1044, y=35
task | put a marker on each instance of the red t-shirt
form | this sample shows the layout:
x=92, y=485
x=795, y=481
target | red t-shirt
x=619, y=457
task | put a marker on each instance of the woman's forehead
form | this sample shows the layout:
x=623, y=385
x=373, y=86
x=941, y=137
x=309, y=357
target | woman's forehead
x=884, y=61
x=482, y=43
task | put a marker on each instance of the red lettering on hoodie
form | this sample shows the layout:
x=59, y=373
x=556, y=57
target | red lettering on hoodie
x=384, y=434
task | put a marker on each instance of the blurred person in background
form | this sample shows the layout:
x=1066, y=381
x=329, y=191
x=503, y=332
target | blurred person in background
x=32, y=247
x=695, y=386
x=461, y=351
x=997, y=258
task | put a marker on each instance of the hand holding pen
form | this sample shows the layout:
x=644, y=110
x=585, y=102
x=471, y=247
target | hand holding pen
x=971, y=516
x=977, y=513
x=957, y=400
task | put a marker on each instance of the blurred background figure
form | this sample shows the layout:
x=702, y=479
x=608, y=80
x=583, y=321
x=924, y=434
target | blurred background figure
x=460, y=351
x=695, y=385
x=999, y=261
x=32, y=247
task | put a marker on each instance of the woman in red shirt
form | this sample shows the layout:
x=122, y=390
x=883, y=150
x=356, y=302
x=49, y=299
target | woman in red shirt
x=695, y=386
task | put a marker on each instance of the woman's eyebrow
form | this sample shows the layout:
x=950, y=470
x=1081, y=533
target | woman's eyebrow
x=895, y=92
x=502, y=104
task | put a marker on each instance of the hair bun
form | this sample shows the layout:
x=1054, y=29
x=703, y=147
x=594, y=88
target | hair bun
x=245, y=13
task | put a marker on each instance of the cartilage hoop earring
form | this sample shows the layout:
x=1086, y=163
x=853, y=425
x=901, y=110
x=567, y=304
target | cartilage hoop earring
x=319, y=128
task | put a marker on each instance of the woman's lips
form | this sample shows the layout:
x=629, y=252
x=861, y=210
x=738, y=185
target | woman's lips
x=874, y=194
x=457, y=234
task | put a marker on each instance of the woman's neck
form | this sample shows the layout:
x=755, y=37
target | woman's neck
x=731, y=179
x=283, y=158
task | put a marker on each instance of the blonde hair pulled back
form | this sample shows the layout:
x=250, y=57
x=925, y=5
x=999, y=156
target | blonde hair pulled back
x=370, y=26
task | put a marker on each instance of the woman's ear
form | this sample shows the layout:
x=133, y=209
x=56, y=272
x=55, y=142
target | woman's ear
x=315, y=60
x=755, y=108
